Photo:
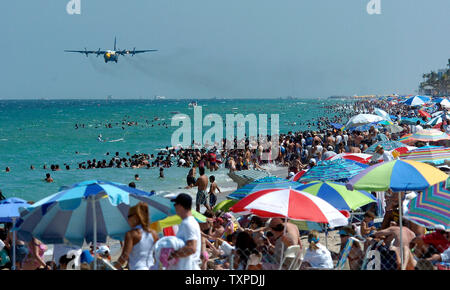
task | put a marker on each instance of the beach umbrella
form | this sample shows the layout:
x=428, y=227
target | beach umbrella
x=359, y=157
x=393, y=128
x=88, y=211
x=338, y=195
x=437, y=120
x=9, y=213
x=365, y=127
x=290, y=204
x=298, y=175
x=340, y=169
x=431, y=208
x=362, y=119
x=387, y=146
x=399, y=176
x=337, y=125
x=382, y=114
x=426, y=135
x=225, y=205
x=268, y=182
x=445, y=103
x=424, y=114
x=431, y=154
x=417, y=101
x=176, y=220
x=411, y=121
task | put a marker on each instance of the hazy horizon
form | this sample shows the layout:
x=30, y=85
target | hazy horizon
x=221, y=49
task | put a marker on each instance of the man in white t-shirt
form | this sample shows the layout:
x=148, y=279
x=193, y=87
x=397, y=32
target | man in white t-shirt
x=189, y=232
x=416, y=128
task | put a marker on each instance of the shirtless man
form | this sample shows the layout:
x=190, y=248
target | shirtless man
x=290, y=238
x=48, y=178
x=202, y=184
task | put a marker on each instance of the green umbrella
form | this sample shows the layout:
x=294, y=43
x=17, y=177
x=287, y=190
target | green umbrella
x=338, y=195
x=225, y=205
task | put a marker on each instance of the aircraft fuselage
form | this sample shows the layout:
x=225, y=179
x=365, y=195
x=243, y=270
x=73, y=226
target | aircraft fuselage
x=111, y=55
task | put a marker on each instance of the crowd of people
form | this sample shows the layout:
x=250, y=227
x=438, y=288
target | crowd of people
x=252, y=242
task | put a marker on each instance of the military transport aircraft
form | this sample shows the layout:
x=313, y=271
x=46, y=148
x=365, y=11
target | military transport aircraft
x=111, y=55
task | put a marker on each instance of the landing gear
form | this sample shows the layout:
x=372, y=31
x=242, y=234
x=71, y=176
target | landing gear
x=106, y=61
x=115, y=60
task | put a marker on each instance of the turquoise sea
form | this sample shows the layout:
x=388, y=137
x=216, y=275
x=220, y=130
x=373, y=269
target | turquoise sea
x=38, y=132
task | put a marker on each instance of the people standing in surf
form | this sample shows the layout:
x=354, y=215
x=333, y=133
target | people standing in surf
x=212, y=191
x=202, y=184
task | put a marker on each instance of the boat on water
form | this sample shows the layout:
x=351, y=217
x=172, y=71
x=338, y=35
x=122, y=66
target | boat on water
x=193, y=104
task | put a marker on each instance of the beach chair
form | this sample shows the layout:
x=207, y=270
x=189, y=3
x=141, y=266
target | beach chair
x=293, y=254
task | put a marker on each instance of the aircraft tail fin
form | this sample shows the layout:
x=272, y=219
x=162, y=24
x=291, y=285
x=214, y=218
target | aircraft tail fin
x=115, y=43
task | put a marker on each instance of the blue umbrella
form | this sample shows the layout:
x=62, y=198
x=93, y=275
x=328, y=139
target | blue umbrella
x=337, y=125
x=9, y=213
x=90, y=210
x=365, y=127
x=268, y=182
x=336, y=170
x=411, y=121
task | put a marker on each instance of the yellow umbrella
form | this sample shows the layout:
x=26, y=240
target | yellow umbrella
x=175, y=220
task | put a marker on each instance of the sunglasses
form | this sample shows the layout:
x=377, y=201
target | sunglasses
x=130, y=215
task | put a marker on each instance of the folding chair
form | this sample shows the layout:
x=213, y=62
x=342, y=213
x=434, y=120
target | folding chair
x=293, y=252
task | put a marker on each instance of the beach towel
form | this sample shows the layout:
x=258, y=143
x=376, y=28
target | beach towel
x=164, y=247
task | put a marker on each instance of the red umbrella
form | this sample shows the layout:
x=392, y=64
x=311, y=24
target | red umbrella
x=298, y=175
x=292, y=204
x=424, y=114
x=359, y=157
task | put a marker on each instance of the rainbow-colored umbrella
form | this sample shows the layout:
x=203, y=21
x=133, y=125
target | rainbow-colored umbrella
x=431, y=208
x=427, y=135
x=338, y=195
x=398, y=175
x=432, y=154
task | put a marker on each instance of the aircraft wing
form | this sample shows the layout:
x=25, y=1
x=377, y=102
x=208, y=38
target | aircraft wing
x=87, y=52
x=134, y=51
x=142, y=51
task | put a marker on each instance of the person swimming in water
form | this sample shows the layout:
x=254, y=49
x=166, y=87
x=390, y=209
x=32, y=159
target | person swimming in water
x=161, y=172
x=48, y=178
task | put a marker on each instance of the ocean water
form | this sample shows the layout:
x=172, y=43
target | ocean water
x=38, y=132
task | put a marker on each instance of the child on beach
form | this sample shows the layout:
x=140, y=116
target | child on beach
x=212, y=191
x=367, y=227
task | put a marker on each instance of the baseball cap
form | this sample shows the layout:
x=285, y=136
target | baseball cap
x=291, y=174
x=183, y=199
x=103, y=250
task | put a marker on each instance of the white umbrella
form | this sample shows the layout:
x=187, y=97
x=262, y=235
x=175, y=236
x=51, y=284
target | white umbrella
x=383, y=114
x=362, y=119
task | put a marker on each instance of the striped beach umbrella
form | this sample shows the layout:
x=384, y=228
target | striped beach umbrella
x=340, y=169
x=338, y=195
x=88, y=211
x=411, y=121
x=436, y=120
x=269, y=182
x=415, y=101
x=292, y=204
x=398, y=175
x=387, y=146
x=426, y=135
x=431, y=208
x=359, y=157
x=298, y=175
x=432, y=154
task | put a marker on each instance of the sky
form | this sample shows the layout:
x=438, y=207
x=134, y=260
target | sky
x=221, y=48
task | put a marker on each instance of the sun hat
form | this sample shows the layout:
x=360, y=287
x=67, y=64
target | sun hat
x=103, y=250
x=291, y=174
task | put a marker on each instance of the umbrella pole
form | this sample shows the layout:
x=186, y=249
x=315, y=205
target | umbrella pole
x=326, y=236
x=282, y=243
x=401, y=228
x=14, y=245
x=95, y=231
